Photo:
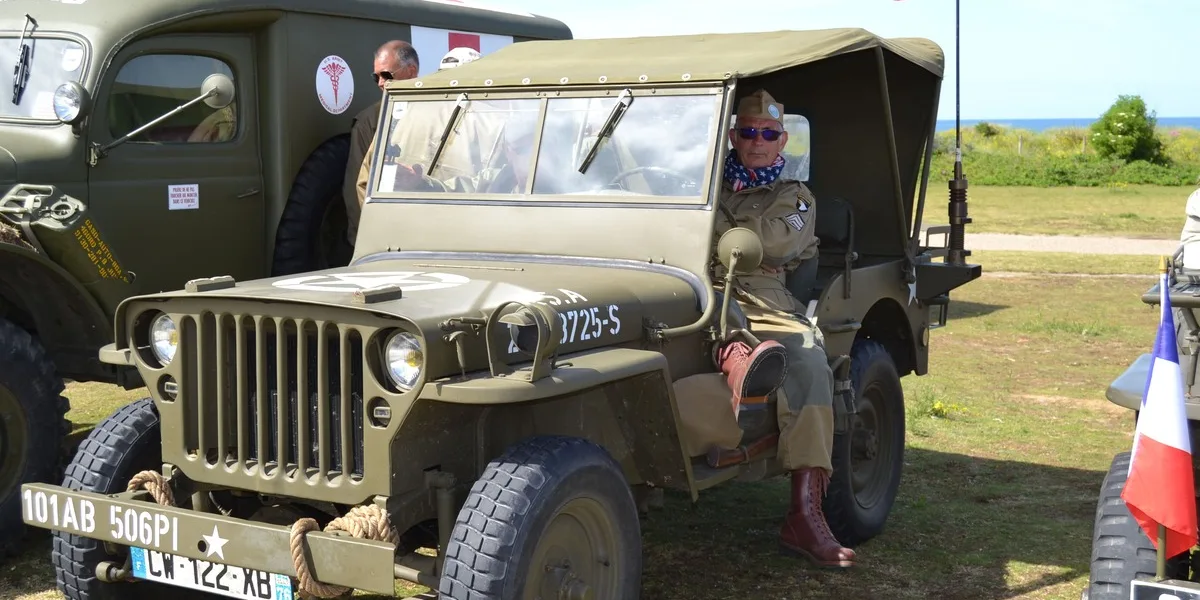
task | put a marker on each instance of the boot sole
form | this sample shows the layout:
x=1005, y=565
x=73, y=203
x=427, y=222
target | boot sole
x=838, y=564
x=771, y=368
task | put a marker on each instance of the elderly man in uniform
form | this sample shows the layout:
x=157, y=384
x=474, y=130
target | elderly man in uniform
x=396, y=59
x=782, y=211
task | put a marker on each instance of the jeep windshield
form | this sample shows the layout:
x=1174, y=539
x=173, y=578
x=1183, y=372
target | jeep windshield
x=658, y=149
x=52, y=62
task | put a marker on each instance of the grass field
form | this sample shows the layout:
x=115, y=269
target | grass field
x=1009, y=437
x=1139, y=211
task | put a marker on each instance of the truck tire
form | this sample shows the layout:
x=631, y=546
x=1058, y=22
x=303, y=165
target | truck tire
x=1121, y=552
x=124, y=443
x=312, y=229
x=33, y=426
x=868, y=458
x=549, y=508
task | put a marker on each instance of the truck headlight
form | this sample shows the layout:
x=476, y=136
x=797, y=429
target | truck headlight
x=403, y=359
x=164, y=338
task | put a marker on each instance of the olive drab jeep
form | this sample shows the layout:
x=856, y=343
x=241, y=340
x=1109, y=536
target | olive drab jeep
x=145, y=144
x=1124, y=561
x=493, y=376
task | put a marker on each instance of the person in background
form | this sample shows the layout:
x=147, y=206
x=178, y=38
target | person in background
x=396, y=59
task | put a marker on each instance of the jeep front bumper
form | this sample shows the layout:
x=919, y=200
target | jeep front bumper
x=345, y=561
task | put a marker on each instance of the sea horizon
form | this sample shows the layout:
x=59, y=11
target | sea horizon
x=1038, y=125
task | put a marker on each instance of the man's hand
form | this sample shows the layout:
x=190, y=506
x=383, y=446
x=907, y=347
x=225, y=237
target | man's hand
x=771, y=270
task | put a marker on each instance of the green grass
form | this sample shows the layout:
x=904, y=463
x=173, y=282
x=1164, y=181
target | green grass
x=1137, y=211
x=1009, y=437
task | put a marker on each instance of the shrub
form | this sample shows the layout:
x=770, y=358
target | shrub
x=1126, y=132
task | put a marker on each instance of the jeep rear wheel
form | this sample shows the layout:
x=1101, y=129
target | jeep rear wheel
x=1121, y=552
x=867, y=458
x=32, y=426
x=553, y=518
x=123, y=444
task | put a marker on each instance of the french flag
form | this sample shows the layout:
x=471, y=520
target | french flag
x=1159, y=489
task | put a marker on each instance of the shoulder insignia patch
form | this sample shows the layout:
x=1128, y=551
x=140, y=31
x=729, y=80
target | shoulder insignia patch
x=802, y=206
x=795, y=220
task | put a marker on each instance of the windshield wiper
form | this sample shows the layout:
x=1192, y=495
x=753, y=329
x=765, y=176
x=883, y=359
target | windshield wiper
x=610, y=125
x=21, y=71
x=459, y=107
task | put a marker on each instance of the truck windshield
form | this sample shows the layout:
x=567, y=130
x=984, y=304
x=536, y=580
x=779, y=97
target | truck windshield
x=52, y=62
x=660, y=146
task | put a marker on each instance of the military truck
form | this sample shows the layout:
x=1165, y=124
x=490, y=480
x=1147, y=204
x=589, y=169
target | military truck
x=1124, y=560
x=144, y=144
x=485, y=398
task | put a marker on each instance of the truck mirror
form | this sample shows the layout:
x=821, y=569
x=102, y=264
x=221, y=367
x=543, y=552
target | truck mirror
x=217, y=90
x=746, y=245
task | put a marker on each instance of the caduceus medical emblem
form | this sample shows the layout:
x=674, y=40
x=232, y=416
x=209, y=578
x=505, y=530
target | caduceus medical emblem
x=334, y=71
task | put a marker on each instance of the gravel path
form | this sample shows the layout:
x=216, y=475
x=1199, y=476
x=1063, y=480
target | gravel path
x=1069, y=243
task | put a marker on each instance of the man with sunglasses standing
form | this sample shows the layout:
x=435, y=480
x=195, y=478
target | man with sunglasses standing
x=782, y=212
x=396, y=59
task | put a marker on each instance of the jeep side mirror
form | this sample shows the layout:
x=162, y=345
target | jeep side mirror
x=740, y=251
x=216, y=91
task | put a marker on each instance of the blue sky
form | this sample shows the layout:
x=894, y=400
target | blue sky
x=1021, y=58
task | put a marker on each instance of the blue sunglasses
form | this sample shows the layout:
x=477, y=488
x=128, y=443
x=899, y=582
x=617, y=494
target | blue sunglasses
x=749, y=133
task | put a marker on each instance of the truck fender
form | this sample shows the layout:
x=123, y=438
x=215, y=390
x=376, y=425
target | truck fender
x=56, y=309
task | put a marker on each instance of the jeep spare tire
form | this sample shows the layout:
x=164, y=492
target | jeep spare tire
x=554, y=517
x=312, y=229
x=32, y=426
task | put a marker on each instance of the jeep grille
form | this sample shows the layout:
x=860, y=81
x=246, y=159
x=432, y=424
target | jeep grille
x=256, y=400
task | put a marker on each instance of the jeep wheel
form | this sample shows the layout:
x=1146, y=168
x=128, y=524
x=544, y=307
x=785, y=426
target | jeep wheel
x=1121, y=552
x=312, y=229
x=32, y=426
x=124, y=443
x=867, y=459
x=553, y=518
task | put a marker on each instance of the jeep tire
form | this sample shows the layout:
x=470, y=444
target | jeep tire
x=552, y=514
x=32, y=426
x=312, y=229
x=867, y=459
x=123, y=444
x=1121, y=552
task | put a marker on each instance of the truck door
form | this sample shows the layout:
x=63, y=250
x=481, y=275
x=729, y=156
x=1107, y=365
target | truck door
x=184, y=198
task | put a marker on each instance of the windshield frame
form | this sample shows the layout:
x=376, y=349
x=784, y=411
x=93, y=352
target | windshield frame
x=85, y=65
x=719, y=92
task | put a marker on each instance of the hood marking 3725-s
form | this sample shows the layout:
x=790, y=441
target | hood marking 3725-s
x=409, y=281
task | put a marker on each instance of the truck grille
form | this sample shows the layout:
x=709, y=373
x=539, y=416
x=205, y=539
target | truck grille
x=256, y=401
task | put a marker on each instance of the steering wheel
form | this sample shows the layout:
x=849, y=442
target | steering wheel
x=686, y=180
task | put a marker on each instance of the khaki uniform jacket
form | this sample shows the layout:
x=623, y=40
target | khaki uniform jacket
x=362, y=138
x=783, y=214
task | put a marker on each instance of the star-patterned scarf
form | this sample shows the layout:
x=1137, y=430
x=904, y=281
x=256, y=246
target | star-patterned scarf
x=741, y=178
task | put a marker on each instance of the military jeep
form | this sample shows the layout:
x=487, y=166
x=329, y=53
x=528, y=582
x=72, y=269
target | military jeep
x=145, y=144
x=484, y=400
x=1124, y=560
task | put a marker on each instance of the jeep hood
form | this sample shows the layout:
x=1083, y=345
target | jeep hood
x=600, y=302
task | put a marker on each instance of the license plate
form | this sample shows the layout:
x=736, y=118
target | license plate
x=211, y=577
x=1163, y=590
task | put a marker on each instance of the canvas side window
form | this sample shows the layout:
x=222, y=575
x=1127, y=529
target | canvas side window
x=151, y=85
x=796, y=152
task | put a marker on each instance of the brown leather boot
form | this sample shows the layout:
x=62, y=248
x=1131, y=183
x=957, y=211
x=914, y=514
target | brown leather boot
x=752, y=373
x=805, y=531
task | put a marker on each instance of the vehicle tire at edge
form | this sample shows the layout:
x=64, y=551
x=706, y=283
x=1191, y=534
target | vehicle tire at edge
x=124, y=443
x=316, y=192
x=1121, y=552
x=28, y=377
x=849, y=520
x=511, y=505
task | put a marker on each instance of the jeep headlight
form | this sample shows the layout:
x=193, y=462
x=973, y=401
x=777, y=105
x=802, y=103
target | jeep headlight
x=68, y=100
x=164, y=338
x=403, y=359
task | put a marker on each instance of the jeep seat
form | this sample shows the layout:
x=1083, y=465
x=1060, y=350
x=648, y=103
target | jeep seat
x=835, y=230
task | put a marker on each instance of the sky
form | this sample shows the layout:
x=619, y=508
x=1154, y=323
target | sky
x=1021, y=59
